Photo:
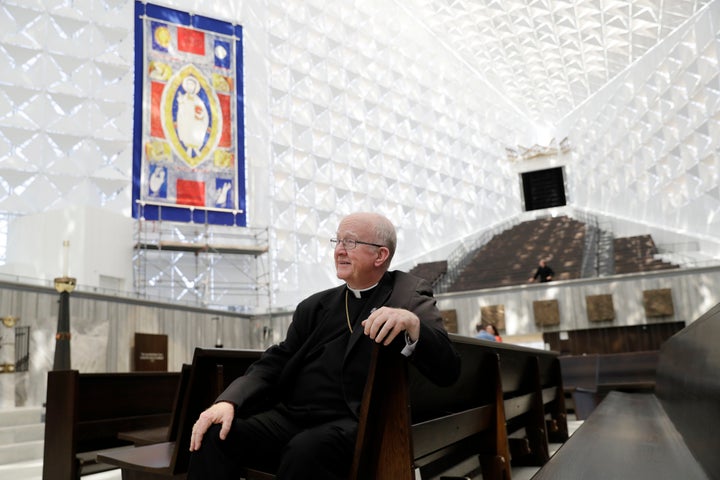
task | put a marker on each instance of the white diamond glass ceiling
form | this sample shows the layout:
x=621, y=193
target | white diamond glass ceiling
x=548, y=56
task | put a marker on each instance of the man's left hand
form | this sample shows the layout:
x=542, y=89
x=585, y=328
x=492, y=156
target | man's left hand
x=386, y=323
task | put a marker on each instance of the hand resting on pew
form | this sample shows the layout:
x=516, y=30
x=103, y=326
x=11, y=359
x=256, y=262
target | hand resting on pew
x=385, y=323
x=311, y=384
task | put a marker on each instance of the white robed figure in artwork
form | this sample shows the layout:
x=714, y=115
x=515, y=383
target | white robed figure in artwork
x=192, y=117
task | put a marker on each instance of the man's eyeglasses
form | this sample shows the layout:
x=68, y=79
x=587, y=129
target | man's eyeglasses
x=349, y=243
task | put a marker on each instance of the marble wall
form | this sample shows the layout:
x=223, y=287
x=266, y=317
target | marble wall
x=103, y=329
x=693, y=291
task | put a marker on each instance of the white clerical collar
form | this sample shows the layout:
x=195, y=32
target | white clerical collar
x=358, y=293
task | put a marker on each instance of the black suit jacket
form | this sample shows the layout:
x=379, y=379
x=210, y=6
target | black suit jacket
x=268, y=379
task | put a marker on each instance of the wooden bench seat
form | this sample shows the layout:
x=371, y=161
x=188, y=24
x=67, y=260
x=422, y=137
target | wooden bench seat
x=85, y=412
x=671, y=433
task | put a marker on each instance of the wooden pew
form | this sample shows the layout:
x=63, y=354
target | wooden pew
x=580, y=383
x=86, y=411
x=152, y=435
x=670, y=433
x=407, y=422
x=627, y=371
x=211, y=372
x=502, y=389
x=589, y=378
x=551, y=384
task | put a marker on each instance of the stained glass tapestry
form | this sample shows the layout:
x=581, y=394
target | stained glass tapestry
x=188, y=148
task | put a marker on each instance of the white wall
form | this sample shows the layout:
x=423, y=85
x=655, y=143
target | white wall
x=102, y=334
x=100, y=252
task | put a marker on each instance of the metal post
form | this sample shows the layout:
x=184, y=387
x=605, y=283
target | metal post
x=64, y=285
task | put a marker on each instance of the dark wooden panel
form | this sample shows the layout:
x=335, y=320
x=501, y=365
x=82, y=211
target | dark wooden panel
x=631, y=338
x=130, y=394
x=629, y=371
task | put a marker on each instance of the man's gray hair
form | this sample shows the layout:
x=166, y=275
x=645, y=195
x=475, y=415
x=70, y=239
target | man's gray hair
x=385, y=234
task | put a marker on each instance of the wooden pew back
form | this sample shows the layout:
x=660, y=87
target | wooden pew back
x=451, y=423
x=533, y=399
x=688, y=386
x=394, y=430
x=625, y=371
x=588, y=378
x=409, y=423
x=211, y=371
x=670, y=433
x=580, y=371
x=628, y=371
x=86, y=411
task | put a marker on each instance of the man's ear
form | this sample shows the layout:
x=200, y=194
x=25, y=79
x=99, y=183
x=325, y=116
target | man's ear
x=383, y=254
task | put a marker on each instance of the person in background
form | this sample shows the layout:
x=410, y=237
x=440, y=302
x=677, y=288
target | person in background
x=543, y=272
x=486, y=332
x=312, y=382
x=494, y=331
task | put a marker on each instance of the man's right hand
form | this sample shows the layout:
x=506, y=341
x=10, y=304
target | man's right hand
x=221, y=412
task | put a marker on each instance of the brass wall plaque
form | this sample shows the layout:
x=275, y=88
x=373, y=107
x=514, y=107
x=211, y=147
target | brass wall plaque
x=658, y=303
x=600, y=308
x=493, y=314
x=450, y=320
x=547, y=312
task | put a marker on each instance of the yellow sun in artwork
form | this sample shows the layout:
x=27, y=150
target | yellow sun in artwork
x=162, y=36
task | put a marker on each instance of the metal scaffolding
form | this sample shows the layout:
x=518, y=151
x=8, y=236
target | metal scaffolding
x=204, y=265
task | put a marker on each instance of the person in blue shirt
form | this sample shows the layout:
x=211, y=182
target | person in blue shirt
x=486, y=332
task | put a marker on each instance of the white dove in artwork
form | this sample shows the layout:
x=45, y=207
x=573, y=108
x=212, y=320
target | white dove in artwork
x=157, y=178
x=192, y=117
x=222, y=193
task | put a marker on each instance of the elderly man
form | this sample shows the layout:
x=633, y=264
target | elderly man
x=314, y=379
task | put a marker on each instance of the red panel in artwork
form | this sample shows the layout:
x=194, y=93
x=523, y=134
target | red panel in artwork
x=190, y=192
x=191, y=41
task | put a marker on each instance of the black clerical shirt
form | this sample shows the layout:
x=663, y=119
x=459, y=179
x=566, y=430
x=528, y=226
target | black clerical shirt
x=323, y=368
